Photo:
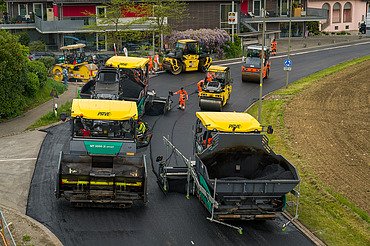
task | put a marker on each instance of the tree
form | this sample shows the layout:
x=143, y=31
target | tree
x=163, y=13
x=13, y=74
x=112, y=20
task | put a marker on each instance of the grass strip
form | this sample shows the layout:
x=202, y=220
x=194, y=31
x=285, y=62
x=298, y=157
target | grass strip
x=50, y=117
x=328, y=214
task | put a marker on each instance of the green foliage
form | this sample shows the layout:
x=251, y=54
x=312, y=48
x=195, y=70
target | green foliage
x=24, y=38
x=2, y=6
x=50, y=117
x=26, y=238
x=37, y=46
x=313, y=27
x=32, y=84
x=48, y=61
x=39, y=69
x=23, y=83
x=233, y=50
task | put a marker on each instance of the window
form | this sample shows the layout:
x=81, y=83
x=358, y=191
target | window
x=38, y=10
x=22, y=9
x=336, y=13
x=326, y=9
x=347, y=12
x=336, y=28
x=257, y=7
x=101, y=11
x=224, y=12
x=347, y=27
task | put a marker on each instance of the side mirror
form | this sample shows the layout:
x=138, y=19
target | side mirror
x=270, y=130
x=199, y=129
x=159, y=158
x=63, y=116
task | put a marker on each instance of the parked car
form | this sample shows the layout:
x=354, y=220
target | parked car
x=38, y=55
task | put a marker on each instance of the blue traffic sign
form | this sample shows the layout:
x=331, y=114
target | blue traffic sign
x=288, y=63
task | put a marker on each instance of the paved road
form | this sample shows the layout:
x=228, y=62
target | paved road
x=169, y=220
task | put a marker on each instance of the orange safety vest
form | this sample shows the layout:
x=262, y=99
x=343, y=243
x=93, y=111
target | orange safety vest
x=200, y=85
x=183, y=95
x=156, y=59
x=209, y=77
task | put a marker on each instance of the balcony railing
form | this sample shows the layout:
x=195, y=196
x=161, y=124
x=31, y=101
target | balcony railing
x=59, y=25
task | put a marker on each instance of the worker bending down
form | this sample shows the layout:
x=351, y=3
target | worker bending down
x=183, y=96
x=200, y=85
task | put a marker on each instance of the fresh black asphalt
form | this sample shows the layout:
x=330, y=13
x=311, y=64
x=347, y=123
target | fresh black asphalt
x=169, y=219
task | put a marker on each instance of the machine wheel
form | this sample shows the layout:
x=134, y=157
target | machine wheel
x=57, y=73
x=178, y=70
x=244, y=79
x=201, y=66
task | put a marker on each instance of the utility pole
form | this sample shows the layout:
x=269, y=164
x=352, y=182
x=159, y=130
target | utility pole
x=289, y=37
x=232, y=26
x=262, y=59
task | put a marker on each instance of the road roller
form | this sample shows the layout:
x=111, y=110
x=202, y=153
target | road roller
x=75, y=62
x=252, y=64
x=216, y=89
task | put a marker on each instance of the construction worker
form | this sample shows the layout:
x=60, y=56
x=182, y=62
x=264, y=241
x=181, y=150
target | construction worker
x=183, y=96
x=273, y=47
x=141, y=128
x=156, y=62
x=200, y=85
x=209, y=77
x=151, y=69
x=65, y=76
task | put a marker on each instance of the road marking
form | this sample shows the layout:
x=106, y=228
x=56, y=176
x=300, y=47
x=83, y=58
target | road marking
x=22, y=159
x=303, y=52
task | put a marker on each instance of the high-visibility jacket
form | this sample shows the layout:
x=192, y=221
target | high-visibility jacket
x=209, y=77
x=156, y=59
x=183, y=95
x=200, y=85
x=142, y=128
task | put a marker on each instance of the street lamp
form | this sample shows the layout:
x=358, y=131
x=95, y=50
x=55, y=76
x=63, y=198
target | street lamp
x=262, y=59
x=289, y=37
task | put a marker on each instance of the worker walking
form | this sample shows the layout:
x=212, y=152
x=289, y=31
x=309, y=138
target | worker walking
x=273, y=47
x=183, y=96
x=65, y=76
x=200, y=85
x=151, y=69
x=156, y=62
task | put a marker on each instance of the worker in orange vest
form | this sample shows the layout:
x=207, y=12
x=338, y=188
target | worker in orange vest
x=273, y=47
x=151, y=69
x=183, y=96
x=200, y=85
x=209, y=77
x=156, y=62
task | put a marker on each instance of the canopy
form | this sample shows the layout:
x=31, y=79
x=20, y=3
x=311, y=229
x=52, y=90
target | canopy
x=126, y=62
x=73, y=47
x=104, y=109
x=217, y=69
x=186, y=41
x=229, y=121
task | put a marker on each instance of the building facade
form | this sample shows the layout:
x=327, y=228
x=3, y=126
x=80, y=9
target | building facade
x=341, y=15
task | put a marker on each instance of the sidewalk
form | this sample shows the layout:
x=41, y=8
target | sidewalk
x=317, y=41
x=20, y=124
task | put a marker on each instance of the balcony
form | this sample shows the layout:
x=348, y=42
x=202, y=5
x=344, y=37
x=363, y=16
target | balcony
x=60, y=26
x=311, y=14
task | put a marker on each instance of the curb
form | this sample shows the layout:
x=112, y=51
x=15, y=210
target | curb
x=51, y=236
x=304, y=230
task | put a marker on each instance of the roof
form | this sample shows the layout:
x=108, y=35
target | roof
x=257, y=47
x=217, y=69
x=104, y=109
x=126, y=62
x=73, y=47
x=229, y=121
x=186, y=40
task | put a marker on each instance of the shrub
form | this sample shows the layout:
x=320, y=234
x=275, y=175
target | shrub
x=211, y=40
x=24, y=38
x=48, y=61
x=38, y=68
x=37, y=46
x=32, y=84
x=233, y=50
